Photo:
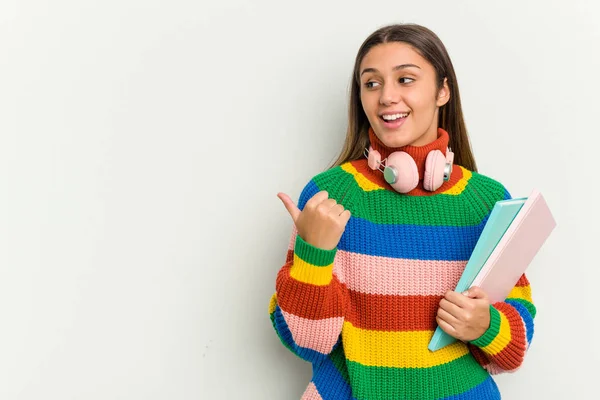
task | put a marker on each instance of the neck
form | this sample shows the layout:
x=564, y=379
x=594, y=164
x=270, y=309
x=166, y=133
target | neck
x=418, y=153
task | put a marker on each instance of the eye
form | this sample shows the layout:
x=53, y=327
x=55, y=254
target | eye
x=369, y=85
x=410, y=79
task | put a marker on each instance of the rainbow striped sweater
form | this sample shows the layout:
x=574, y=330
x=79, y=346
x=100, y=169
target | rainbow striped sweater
x=364, y=313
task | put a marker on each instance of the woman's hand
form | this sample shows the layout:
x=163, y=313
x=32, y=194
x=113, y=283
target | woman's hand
x=464, y=316
x=322, y=221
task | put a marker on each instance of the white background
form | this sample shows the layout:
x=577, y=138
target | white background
x=142, y=146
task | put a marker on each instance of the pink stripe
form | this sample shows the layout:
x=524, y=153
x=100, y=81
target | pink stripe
x=316, y=334
x=396, y=276
x=292, y=241
x=493, y=369
x=311, y=393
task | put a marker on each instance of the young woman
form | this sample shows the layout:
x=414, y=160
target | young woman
x=380, y=241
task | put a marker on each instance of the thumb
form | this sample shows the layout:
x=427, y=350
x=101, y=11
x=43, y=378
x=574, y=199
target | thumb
x=475, y=292
x=289, y=205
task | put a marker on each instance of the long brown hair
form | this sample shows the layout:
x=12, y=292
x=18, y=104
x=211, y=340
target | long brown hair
x=430, y=47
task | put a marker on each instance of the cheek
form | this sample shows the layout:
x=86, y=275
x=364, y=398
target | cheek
x=369, y=104
x=415, y=102
x=421, y=107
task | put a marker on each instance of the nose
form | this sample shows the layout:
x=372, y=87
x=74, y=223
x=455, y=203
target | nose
x=390, y=94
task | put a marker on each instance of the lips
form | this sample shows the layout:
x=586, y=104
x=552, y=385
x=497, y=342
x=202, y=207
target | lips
x=397, y=122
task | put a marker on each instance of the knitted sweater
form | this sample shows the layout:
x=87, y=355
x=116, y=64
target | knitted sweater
x=364, y=313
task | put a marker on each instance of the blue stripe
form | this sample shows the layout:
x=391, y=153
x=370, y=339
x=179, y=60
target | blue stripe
x=411, y=241
x=526, y=316
x=330, y=383
x=309, y=191
x=486, y=390
x=286, y=336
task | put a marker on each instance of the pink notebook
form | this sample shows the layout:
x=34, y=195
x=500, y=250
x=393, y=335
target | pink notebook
x=515, y=251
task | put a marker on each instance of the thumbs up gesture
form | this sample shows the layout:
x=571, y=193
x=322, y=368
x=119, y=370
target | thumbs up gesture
x=322, y=221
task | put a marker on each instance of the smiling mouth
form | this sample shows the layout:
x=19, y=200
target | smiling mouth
x=394, y=117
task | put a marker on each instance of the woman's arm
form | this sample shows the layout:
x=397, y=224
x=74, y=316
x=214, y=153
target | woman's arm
x=307, y=307
x=502, y=348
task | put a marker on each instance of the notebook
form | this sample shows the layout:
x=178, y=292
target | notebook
x=515, y=231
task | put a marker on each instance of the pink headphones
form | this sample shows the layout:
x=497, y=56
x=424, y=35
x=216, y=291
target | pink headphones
x=401, y=172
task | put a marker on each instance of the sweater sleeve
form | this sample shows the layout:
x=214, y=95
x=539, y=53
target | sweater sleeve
x=307, y=308
x=503, y=346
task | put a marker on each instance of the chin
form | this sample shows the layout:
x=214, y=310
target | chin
x=396, y=138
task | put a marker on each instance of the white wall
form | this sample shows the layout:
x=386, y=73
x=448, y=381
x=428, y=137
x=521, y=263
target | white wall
x=142, y=146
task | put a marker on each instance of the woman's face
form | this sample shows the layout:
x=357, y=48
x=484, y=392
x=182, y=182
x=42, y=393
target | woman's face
x=395, y=79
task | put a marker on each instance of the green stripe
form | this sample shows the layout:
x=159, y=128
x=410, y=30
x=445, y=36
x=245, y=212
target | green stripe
x=467, y=209
x=491, y=333
x=527, y=304
x=313, y=255
x=381, y=383
x=338, y=359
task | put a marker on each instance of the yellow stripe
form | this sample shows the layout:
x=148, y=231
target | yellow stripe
x=521, y=292
x=273, y=303
x=502, y=338
x=396, y=349
x=360, y=179
x=368, y=186
x=308, y=273
x=461, y=184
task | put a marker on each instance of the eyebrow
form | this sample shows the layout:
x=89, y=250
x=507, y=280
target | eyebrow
x=396, y=68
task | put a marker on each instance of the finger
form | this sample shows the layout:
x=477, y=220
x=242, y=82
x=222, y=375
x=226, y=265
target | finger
x=449, y=318
x=289, y=205
x=317, y=199
x=459, y=299
x=475, y=292
x=452, y=309
x=345, y=216
x=446, y=327
x=337, y=210
x=327, y=205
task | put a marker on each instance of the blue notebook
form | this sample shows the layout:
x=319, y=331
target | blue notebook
x=500, y=218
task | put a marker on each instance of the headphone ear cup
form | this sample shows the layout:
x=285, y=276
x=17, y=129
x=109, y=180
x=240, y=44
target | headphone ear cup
x=434, y=170
x=406, y=171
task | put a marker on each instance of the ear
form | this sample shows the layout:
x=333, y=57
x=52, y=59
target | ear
x=443, y=94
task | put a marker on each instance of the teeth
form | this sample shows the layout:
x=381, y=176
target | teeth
x=394, y=117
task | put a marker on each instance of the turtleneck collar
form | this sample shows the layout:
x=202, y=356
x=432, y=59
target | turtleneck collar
x=418, y=153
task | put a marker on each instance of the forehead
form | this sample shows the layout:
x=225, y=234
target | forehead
x=384, y=57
